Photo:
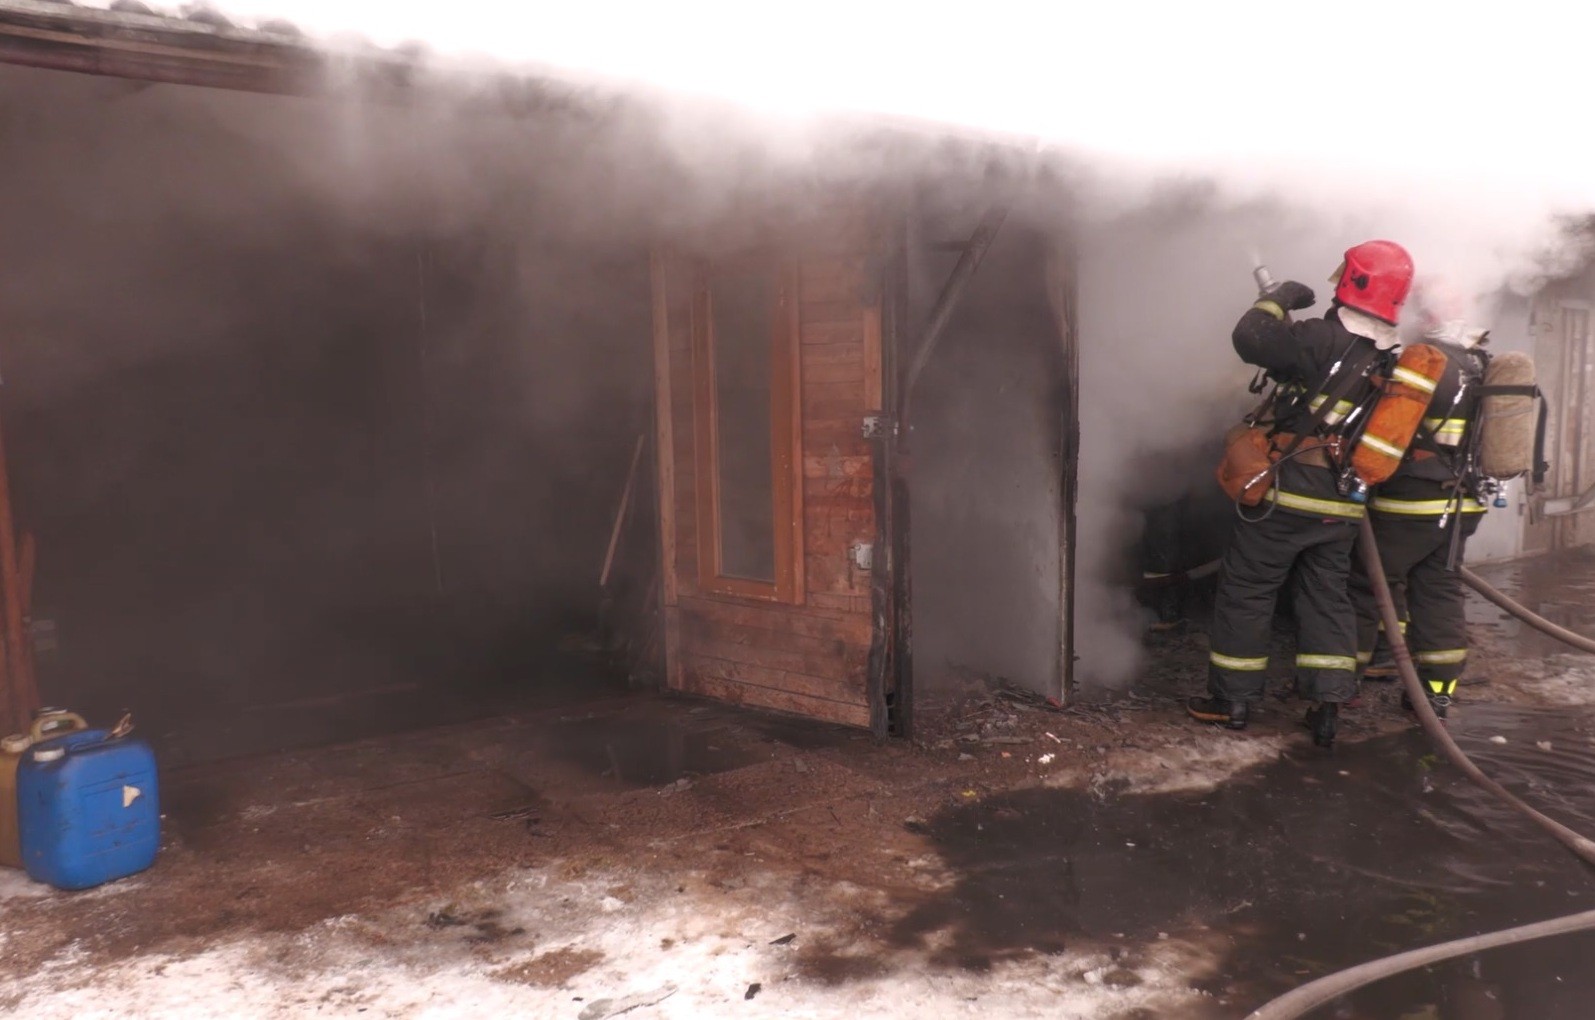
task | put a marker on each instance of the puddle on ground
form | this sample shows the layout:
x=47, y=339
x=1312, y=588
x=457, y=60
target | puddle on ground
x=1560, y=588
x=646, y=752
x=1306, y=866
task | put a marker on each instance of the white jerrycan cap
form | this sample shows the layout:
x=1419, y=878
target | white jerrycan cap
x=46, y=754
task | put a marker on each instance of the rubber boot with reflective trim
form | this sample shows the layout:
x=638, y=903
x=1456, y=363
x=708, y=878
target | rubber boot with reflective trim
x=1322, y=719
x=1229, y=714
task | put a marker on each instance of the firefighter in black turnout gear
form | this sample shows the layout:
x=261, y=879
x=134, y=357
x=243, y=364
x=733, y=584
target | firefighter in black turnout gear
x=1305, y=528
x=1422, y=517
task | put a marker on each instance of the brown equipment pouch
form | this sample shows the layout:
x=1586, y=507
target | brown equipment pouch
x=1246, y=472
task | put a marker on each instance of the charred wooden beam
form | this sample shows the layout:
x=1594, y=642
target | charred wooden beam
x=947, y=300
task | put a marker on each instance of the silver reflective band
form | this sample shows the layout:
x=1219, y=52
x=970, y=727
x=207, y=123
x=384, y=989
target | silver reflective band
x=1368, y=439
x=1413, y=379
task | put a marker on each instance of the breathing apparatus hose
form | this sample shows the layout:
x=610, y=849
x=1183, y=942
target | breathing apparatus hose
x=1327, y=989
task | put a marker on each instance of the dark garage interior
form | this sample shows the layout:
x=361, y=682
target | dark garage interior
x=319, y=413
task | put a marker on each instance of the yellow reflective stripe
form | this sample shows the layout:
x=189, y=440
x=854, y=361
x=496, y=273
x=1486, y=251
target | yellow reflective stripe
x=1423, y=507
x=1345, y=662
x=1271, y=307
x=1368, y=439
x=1231, y=662
x=1326, y=507
x=1447, y=431
x=1413, y=379
x=1402, y=623
x=1444, y=657
x=1446, y=687
x=1337, y=413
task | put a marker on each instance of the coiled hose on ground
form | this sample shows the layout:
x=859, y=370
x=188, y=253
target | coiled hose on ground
x=1325, y=990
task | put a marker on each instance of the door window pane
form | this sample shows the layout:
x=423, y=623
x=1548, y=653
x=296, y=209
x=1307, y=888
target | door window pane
x=744, y=305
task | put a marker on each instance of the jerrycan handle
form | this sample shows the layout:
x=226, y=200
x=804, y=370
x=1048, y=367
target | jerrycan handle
x=62, y=722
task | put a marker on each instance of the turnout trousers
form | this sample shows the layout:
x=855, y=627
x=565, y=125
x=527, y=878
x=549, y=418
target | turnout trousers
x=1414, y=551
x=1313, y=555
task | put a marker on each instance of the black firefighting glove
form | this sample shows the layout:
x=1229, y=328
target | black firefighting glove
x=1288, y=296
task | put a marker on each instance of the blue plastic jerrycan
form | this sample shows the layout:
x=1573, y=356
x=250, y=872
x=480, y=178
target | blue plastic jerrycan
x=87, y=809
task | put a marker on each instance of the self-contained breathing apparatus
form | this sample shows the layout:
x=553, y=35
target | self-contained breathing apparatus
x=1502, y=441
x=1365, y=443
x=1255, y=449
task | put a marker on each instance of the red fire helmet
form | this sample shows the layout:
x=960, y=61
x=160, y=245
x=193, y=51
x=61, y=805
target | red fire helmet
x=1375, y=278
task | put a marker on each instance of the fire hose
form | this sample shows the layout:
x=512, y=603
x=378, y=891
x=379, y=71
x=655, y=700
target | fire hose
x=1522, y=612
x=1325, y=990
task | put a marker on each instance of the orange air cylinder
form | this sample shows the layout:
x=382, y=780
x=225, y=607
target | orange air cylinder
x=1398, y=413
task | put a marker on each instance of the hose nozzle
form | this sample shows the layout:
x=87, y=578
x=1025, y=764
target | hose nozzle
x=1265, y=279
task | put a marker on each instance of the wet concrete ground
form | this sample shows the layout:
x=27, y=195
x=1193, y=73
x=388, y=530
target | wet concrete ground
x=1101, y=862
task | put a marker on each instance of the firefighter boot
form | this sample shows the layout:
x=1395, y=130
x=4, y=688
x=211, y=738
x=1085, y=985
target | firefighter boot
x=1441, y=703
x=1383, y=667
x=1322, y=719
x=1232, y=714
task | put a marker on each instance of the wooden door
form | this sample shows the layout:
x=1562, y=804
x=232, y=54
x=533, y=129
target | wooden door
x=766, y=365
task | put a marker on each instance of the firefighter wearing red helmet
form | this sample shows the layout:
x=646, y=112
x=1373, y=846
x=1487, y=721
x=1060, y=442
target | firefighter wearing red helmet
x=1375, y=277
x=1305, y=528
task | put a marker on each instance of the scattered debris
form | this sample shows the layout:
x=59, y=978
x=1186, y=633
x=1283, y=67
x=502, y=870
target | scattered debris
x=445, y=918
x=1053, y=737
x=800, y=764
x=676, y=787
x=513, y=814
x=1544, y=745
x=486, y=924
x=1028, y=698
x=784, y=940
x=965, y=756
x=1046, y=759
x=753, y=990
x=599, y=1009
x=1498, y=739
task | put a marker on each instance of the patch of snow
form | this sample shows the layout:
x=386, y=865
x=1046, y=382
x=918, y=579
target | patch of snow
x=711, y=945
x=16, y=885
x=1203, y=763
x=1564, y=680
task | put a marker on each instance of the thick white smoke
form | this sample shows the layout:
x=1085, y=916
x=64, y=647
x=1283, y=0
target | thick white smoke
x=1292, y=131
x=1486, y=96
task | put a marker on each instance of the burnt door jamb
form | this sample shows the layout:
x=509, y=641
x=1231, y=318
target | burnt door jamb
x=891, y=665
